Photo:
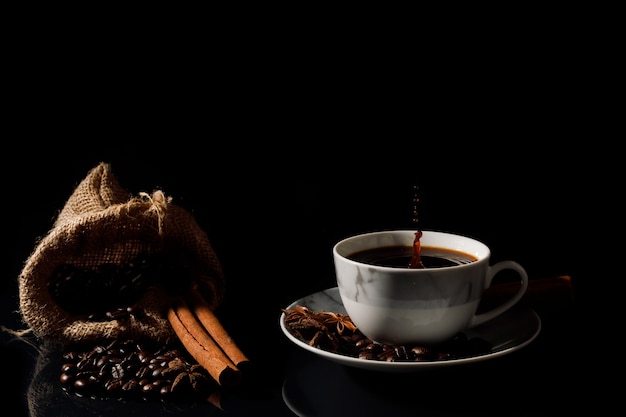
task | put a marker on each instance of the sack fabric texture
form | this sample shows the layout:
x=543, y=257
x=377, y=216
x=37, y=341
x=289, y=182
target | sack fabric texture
x=102, y=223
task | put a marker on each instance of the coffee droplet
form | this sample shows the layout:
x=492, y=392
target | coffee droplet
x=416, y=256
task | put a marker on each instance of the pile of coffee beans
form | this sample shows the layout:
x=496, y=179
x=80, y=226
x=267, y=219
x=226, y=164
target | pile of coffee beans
x=336, y=333
x=129, y=370
x=459, y=346
x=109, y=291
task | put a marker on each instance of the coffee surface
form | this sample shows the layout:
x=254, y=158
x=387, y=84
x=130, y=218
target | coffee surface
x=400, y=256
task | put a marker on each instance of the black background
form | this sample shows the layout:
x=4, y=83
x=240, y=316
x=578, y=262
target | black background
x=273, y=210
x=509, y=143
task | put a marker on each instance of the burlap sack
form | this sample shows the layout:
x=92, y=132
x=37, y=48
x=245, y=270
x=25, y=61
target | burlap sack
x=102, y=223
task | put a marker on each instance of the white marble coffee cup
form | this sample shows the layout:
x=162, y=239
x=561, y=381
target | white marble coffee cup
x=400, y=305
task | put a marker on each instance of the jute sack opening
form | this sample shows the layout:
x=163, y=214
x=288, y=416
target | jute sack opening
x=101, y=223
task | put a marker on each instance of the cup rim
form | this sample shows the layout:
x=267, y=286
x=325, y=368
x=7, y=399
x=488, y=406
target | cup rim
x=484, y=257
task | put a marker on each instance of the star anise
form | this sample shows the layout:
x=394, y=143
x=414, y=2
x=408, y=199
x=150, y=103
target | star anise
x=320, y=329
x=342, y=321
x=300, y=317
x=187, y=377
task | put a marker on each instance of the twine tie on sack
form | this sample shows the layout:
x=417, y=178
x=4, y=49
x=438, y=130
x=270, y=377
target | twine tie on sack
x=159, y=205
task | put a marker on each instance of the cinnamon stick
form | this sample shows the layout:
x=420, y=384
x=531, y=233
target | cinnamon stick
x=541, y=292
x=214, y=327
x=201, y=345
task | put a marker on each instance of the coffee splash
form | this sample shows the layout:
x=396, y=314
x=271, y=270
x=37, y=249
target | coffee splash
x=416, y=256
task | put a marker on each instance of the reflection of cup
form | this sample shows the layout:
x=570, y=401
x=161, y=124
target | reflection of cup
x=394, y=304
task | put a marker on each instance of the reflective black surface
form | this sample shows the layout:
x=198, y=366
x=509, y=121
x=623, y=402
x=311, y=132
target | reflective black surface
x=273, y=232
x=541, y=379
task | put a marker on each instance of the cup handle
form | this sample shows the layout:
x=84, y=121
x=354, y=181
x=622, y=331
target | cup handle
x=496, y=311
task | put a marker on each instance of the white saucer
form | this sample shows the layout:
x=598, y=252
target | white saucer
x=507, y=333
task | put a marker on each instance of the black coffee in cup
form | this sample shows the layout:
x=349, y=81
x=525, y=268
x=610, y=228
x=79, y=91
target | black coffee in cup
x=399, y=256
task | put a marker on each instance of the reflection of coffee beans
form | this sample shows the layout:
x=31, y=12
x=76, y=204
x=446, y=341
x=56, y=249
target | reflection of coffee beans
x=128, y=370
x=108, y=291
x=400, y=256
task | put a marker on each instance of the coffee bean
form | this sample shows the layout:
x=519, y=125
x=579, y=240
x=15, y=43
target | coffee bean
x=166, y=390
x=118, y=371
x=66, y=378
x=109, y=291
x=126, y=370
x=81, y=384
x=143, y=372
x=130, y=385
x=151, y=386
x=68, y=367
x=420, y=351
